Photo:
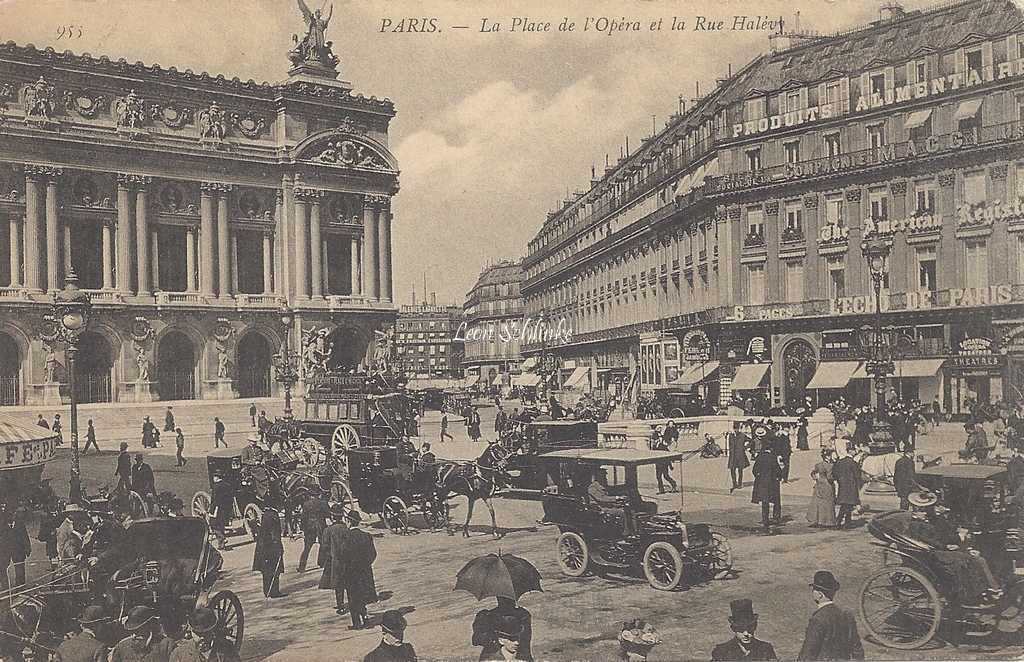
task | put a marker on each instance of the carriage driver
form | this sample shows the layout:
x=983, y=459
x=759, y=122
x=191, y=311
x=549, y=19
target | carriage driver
x=252, y=455
x=597, y=492
x=969, y=571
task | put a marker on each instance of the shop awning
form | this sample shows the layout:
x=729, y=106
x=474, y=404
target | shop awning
x=530, y=363
x=917, y=119
x=749, y=375
x=696, y=374
x=698, y=177
x=12, y=432
x=470, y=380
x=684, y=186
x=577, y=378
x=908, y=368
x=833, y=374
x=968, y=109
x=499, y=380
x=530, y=379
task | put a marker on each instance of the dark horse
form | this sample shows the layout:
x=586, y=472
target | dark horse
x=474, y=480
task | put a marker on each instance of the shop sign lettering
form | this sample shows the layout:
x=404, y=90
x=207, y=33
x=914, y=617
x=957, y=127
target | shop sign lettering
x=27, y=453
x=923, y=223
x=985, y=214
x=859, y=305
x=891, y=96
x=990, y=361
x=740, y=313
x=953, y=298
x=975, y=346
x=980, y=296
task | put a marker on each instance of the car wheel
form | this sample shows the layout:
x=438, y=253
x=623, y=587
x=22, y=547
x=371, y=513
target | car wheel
x=573, y=554
x=395, y=515
x=663, y=566
x=720, y=556
x=201, y=504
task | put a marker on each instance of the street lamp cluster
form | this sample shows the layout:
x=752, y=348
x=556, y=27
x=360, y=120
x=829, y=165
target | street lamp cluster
x=285, y=370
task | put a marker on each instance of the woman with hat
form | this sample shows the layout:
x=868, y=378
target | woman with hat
x=141, y=625
x=743, y=645
x=821, y=511
x=86, y=645
x=392, y=646
x=209, y=644
x=507, y=630
x=636, y=639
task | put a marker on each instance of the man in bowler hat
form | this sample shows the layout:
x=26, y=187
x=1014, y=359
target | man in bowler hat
x=268, y=557
x=331, y=556
x=392, y=646
x=743, y=645
x=832, y=631
x=86, y=645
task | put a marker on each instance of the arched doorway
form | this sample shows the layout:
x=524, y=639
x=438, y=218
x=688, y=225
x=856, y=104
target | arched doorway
x=348, y=350
x=10, y=370
x=93, y=364
x=798, y=364
x=176, y=367
x=254, y=363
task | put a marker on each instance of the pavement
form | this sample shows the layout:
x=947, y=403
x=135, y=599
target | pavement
x=573, y=619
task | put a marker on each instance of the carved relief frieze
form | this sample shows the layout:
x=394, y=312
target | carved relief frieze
x=130, y=115
x=86, y=192
x=998, y=171
x=348, y=125
x=213, y=123
x=946, y=179
x=249, y=124
x=171, y=115
x=376, y=200
x=811, y=202
x=133, y=180
x=86, y=104
x=253, y=204
x=350, y=153
x=308, y=194
x=174, y=198
x=853, y=195
x=898, y=188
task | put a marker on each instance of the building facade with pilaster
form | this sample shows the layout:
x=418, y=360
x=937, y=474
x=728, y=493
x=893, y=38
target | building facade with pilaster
x=725, y=255
x=493, y=324
x=428, y=340
x=192, y=207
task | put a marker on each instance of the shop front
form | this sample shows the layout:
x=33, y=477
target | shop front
x=974, y=375
x=1011, y=345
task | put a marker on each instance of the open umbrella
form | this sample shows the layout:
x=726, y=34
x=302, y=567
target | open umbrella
x=498, y=575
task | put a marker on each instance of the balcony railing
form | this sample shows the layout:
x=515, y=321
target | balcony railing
x=793, y=235
x=257, y=301
x=753, y=240
x=187, y=298
x=15, y=293
x=866, y=158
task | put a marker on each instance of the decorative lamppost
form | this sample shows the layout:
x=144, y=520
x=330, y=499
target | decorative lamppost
x=880, y=363
x=284, y=362
x=71, y=309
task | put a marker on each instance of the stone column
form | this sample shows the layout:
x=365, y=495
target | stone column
x=316, y=248
x=234, y=261
x=354, y=244
x=33, y=230
x=326, y=259
x=371, y=274
x=142, y=256
x=67, y=249
x=154, y=258
x=280, y=246
x=268, y=264
x=223, y=255
x=206, y=236
x=385, y=252
x=108, y=254
x=124, y=234
x=190, y=259
x=17, y=246
x=302, y=242
x=53, y=280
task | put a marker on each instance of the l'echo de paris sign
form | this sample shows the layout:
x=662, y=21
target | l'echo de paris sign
x=966, y=297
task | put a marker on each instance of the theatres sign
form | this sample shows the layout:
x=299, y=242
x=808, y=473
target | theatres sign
x=892, y=96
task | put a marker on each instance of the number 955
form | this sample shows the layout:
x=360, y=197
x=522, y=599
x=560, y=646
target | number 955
x=69, y=31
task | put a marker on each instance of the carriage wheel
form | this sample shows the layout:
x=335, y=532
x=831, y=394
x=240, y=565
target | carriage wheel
x=395, y=515
x=676, y=413
x=136, y=505
x=900, y=608
x=340, y=493
x=663, y=566
x=27, y=615
x=338, y=465
x=229, y=616
x=720, y=557
x=344, y=438
x=251, y=517
x=201, y=504
x=573, y=554
x=312, y=452
x=436, y=512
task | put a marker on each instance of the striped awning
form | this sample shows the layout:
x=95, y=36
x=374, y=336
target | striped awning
x=749, y=376
x=577, y=378
x=13, y=433
x=833, y=374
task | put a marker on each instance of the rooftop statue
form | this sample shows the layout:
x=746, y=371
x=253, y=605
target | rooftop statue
x=314, y=49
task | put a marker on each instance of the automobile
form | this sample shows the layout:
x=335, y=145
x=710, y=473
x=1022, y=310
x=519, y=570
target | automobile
x=909, y=597
x=166, y=563
x=595, y=538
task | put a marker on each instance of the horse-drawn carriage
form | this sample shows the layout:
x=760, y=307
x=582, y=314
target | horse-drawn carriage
x=913, y=593
x=528, y=474
x=165, y=563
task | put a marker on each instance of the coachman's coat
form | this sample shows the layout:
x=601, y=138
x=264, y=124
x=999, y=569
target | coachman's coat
x=347, y=556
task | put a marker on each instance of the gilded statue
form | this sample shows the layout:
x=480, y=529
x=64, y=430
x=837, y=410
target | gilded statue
x=314, y=47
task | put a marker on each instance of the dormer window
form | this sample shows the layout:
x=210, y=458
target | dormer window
x=921, y=71
x=793, y=101
x=974, y=61
x=878, y=84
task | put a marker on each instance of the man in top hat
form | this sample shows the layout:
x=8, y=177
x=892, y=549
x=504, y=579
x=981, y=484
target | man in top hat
x=832, y=631
x=359, y=555
x=507, y=631
x=743, y=645
x=767, y=476
x=123, y=470
x=392, y=646
x=313, y=519
x=268, y=557
x=331, y=556
x=209, y=644
x=86, y=645
x=252, y=455
x=142, y=628
x=485, y=626
x=636, y=639
x=904, y=477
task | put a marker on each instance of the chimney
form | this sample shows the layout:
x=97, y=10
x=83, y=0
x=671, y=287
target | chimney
x=779, y=42
x=890, y=11
x=433, y=298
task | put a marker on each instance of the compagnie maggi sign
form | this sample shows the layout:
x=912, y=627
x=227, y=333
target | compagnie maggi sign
x=892, y=96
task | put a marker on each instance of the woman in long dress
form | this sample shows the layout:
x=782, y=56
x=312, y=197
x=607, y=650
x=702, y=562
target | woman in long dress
x=821, y=512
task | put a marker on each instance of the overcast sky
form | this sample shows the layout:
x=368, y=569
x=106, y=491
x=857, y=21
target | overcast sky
x=492, y=128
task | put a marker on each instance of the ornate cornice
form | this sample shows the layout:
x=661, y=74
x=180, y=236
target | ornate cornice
x=215, y=187
x=946, y=179
x=898, y=188
x=308, y=194
x=998, y=171
x=853, y=195
x=35, y=171
x=811, y=202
